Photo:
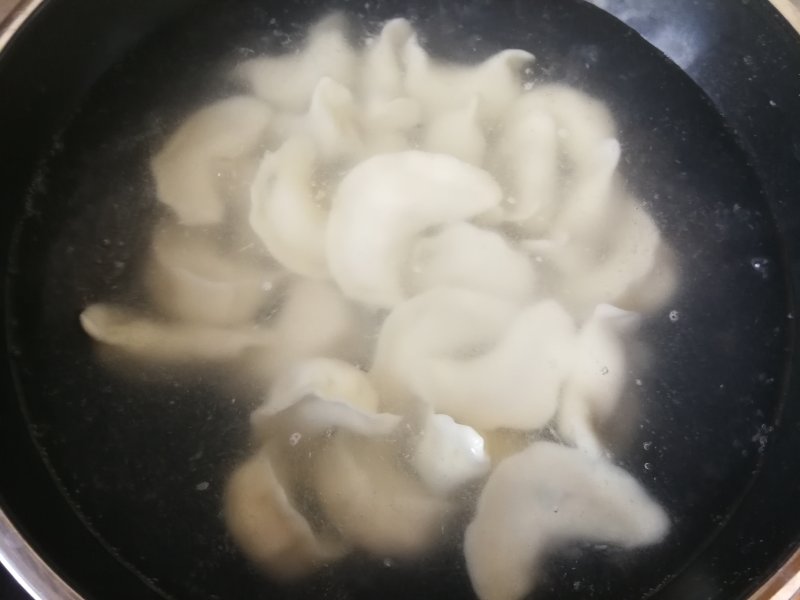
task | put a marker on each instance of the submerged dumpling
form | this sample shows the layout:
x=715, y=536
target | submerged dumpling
x=548, y=495
x=263, y=520
x=186, y=169
x=387, y=200
x=190, y=279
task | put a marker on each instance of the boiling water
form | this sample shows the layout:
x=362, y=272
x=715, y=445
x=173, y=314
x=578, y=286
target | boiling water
x=144, y=459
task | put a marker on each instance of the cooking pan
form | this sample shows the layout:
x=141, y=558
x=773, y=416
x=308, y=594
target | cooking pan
x=111, y=487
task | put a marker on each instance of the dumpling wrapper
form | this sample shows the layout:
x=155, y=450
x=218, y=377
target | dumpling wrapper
x=516, y=384
x=186, y=168
x=597, y=377
x=285, y=213
x=382, y=70
x=443, y=322
x=465, y=256
x=189, y=279
x=147, y=339
x=287, y=81
x=373, y=503
x=496, y=82
x=545, y=496
x=271, y=532
x=383, y=204
x=459, y=133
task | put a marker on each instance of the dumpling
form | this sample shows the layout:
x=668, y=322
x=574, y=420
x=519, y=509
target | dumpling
x=383, y=204
x=382, y=70
x=288, y=81
x=270, y=530
x=542, y=497
x=186, y=168
x=516, y=383
x=596, y=379
x=457, y=132
x=496, y=82
x=147, y=339
x=440, y=323
x=375, y=504
x=190, y=279
x=465, y=256
x=285, y=212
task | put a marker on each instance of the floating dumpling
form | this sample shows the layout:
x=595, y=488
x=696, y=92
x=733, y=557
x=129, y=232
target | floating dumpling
x=186, y=169
x=285, y=211
x=288, y=81
x=440, y=87
x=545, y=496
x=458, y=133
x=465, y=256
x=383, y=203
x=516, y=383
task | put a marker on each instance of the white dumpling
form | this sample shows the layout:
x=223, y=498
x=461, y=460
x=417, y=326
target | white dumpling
x=374, y=503
x=448, y=455
x=597, y=377
x=333, y=122
x=439, y=323
x=630, y=266
x=327, y=378
x=190, y=279
x=465, y=256
x=285, y=212
x=382, y=70
x=527, y=157
x=515, y=384
x=545, y=496
x=457, y=132
x=441, y=87
x=387, y=200
x=288, y=81
x=186, y=169
x=264, y=523
x=147, y=339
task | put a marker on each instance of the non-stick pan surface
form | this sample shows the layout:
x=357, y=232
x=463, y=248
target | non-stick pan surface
x=116, y=480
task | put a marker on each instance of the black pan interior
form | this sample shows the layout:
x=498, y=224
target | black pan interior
x=123, y=458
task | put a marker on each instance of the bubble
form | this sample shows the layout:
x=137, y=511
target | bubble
x=647, y=446
x=202, y=486
x=648, y=467
x=295, y=438
x=604, y=370
x=674, y=316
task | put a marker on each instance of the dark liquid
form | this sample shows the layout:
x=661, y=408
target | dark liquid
x=134, y=455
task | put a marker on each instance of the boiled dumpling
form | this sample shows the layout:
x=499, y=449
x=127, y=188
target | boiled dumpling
x=516, y=383
x=387, y=200
x=383, y=71
x=190, y=279
x=465, y=256
x=496, y=82
x=262, y=519
x=444, y=322
x=288, y=81
x=545, y=496
x=187, y=167
x=457, y=132
x=285, y=210
x=375, y=504
x=148, y=339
